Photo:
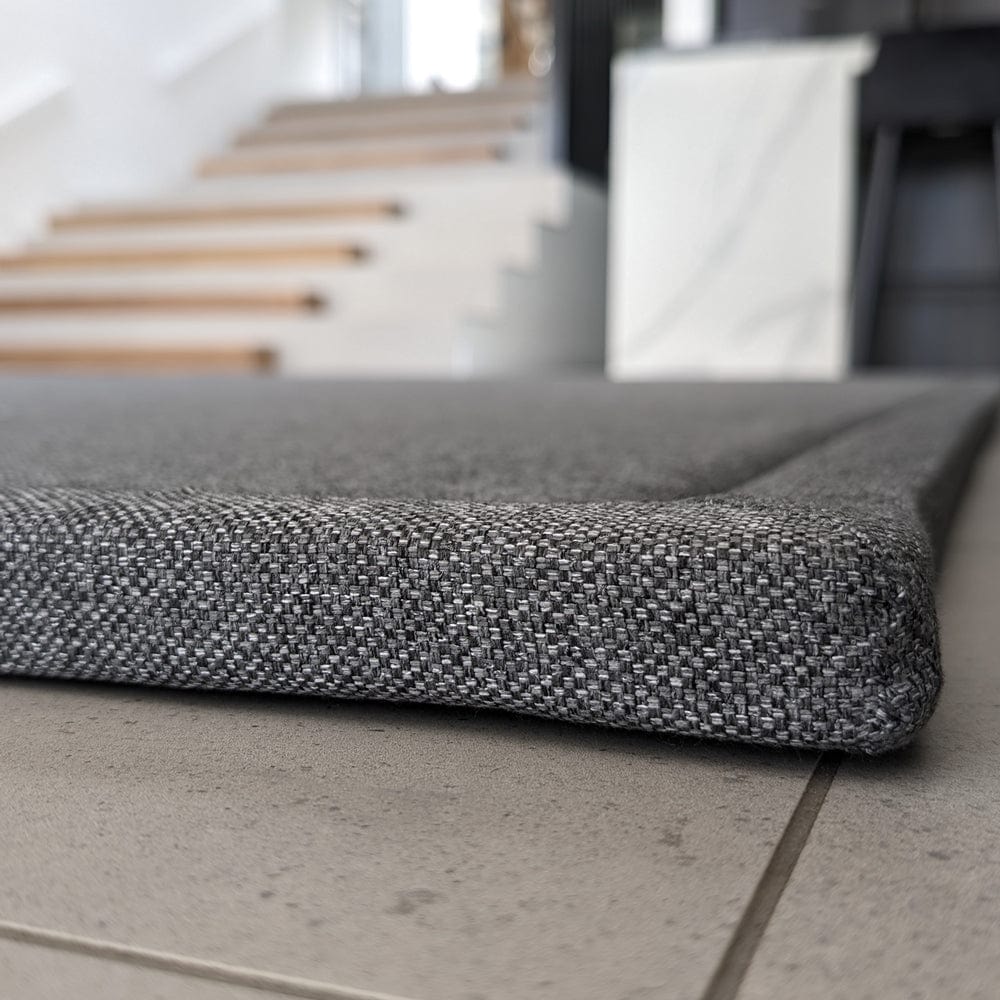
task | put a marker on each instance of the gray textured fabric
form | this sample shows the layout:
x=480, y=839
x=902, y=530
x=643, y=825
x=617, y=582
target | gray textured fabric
x=572, y=441
x=544, y=548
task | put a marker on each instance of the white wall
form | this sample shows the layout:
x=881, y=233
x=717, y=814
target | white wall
x=107, y=98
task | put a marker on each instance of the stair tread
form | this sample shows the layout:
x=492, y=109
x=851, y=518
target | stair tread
x=292, y=159
x=183, y=256
x=335, y=128
x=526, y=95
x=125, y=214
x=277, y=300
x=128, y=358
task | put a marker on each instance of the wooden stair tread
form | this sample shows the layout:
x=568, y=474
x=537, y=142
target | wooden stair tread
x=277, y=301
x=183, y=256
x=101, y=358
x=142, y=215
x=499, y=97
x=292, y=160
x=336, y=128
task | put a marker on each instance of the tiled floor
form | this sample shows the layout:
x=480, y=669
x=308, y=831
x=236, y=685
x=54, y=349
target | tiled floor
x=169, y=845
x=29, y=971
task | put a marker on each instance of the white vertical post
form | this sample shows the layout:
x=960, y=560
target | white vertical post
x=347, y=44
x=383, y=46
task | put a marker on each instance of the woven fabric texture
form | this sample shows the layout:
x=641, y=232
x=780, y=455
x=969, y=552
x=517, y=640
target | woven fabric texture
x=742, y=562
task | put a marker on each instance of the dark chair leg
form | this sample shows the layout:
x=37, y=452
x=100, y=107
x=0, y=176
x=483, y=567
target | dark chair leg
x=873, y=242
x=996, y=166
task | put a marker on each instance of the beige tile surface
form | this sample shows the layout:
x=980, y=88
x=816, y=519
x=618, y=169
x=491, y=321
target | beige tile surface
x=28, y=972
x=431, y=854
x=897, y=894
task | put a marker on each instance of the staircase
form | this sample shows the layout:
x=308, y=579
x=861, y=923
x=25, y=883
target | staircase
x=332, y=238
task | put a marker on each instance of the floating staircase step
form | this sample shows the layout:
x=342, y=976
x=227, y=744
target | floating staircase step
x=323, y=157
x=343, y=127
x=132, y=359
x=55, y=258
x=168, y=215
x=494, y=97
x=193, y=301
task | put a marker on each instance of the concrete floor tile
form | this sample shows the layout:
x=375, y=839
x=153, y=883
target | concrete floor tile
x=426, y=853
x=897, y=893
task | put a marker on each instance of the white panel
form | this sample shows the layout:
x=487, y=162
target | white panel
x=731, y=211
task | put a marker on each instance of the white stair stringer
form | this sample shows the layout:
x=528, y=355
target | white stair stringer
x=552, y=314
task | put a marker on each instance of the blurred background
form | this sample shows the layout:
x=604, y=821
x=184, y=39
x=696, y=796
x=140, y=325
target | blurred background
x=763, y=189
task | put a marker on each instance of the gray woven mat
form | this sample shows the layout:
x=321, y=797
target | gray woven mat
x=744, y=562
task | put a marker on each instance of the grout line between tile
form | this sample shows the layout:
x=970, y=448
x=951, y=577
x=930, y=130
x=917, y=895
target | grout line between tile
x=233, y=975
x=735, y=962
